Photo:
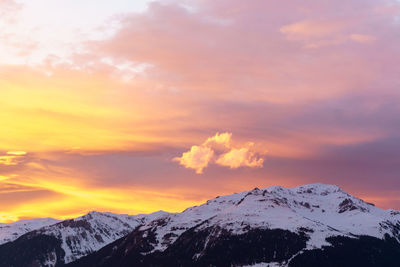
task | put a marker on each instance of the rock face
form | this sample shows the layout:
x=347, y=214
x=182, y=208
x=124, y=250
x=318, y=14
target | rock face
x=301, y=226
x=311, y=225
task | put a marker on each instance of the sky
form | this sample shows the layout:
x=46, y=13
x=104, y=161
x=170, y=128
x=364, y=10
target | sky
x=139, y=106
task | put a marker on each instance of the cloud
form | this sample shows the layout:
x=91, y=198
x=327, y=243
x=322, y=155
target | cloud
x=238, y=157
x=219, y=150
x=8, y=7
x=16, y=153
x=12, y=158
x=11, y=41
x=315, y=33
x=197, y=158
x=311, y=29
x=362, y=38
x=215, y=65
x=320, y=33
x=223, y=139
x=268, y=63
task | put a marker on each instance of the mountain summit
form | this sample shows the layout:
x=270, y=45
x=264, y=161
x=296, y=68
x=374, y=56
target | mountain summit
x=300, y=226
x=310, y=225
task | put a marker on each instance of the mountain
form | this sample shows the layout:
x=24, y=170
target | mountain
x=68, y=240
x=311, y=225
x=11, y=231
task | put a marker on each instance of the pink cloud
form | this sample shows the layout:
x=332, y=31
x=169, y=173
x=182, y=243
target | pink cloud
x=246, y=53
x=313, y=81
x=310, y=29
x=362, y=38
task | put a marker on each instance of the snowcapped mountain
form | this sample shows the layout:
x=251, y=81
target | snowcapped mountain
x=275, y=225
x=68, y=240
x=11, y=231
x=311, y=225
x=325, y=209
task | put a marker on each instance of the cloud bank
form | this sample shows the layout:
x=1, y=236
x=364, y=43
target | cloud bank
x=219, y=150
x=315, y=82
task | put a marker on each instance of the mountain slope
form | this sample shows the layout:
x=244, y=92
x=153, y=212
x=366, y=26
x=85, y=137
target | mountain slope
x=68, y=240
x=11, y=231
x=274, y=224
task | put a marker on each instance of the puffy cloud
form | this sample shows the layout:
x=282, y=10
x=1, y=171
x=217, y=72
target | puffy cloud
x=197, y=158
x=219, y=140
x=218, y=149
x=238, y=157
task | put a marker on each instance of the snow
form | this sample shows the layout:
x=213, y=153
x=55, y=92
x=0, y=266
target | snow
x=11, y=231
x=80, y=236
x=317, y=207
x=86, y=234
x=318, y=210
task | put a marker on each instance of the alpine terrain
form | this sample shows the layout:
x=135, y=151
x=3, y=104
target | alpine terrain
x=310, y=225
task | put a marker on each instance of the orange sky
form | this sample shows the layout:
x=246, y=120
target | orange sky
x=145, y=106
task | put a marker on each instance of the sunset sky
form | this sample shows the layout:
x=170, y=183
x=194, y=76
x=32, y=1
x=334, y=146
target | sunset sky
x=136, y=106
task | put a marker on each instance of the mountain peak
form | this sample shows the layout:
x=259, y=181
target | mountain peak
x=308, y=215
x=324, y=208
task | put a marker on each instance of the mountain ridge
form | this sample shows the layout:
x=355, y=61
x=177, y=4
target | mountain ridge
x=310, y=218
x=11, y=231
x=275, y=225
